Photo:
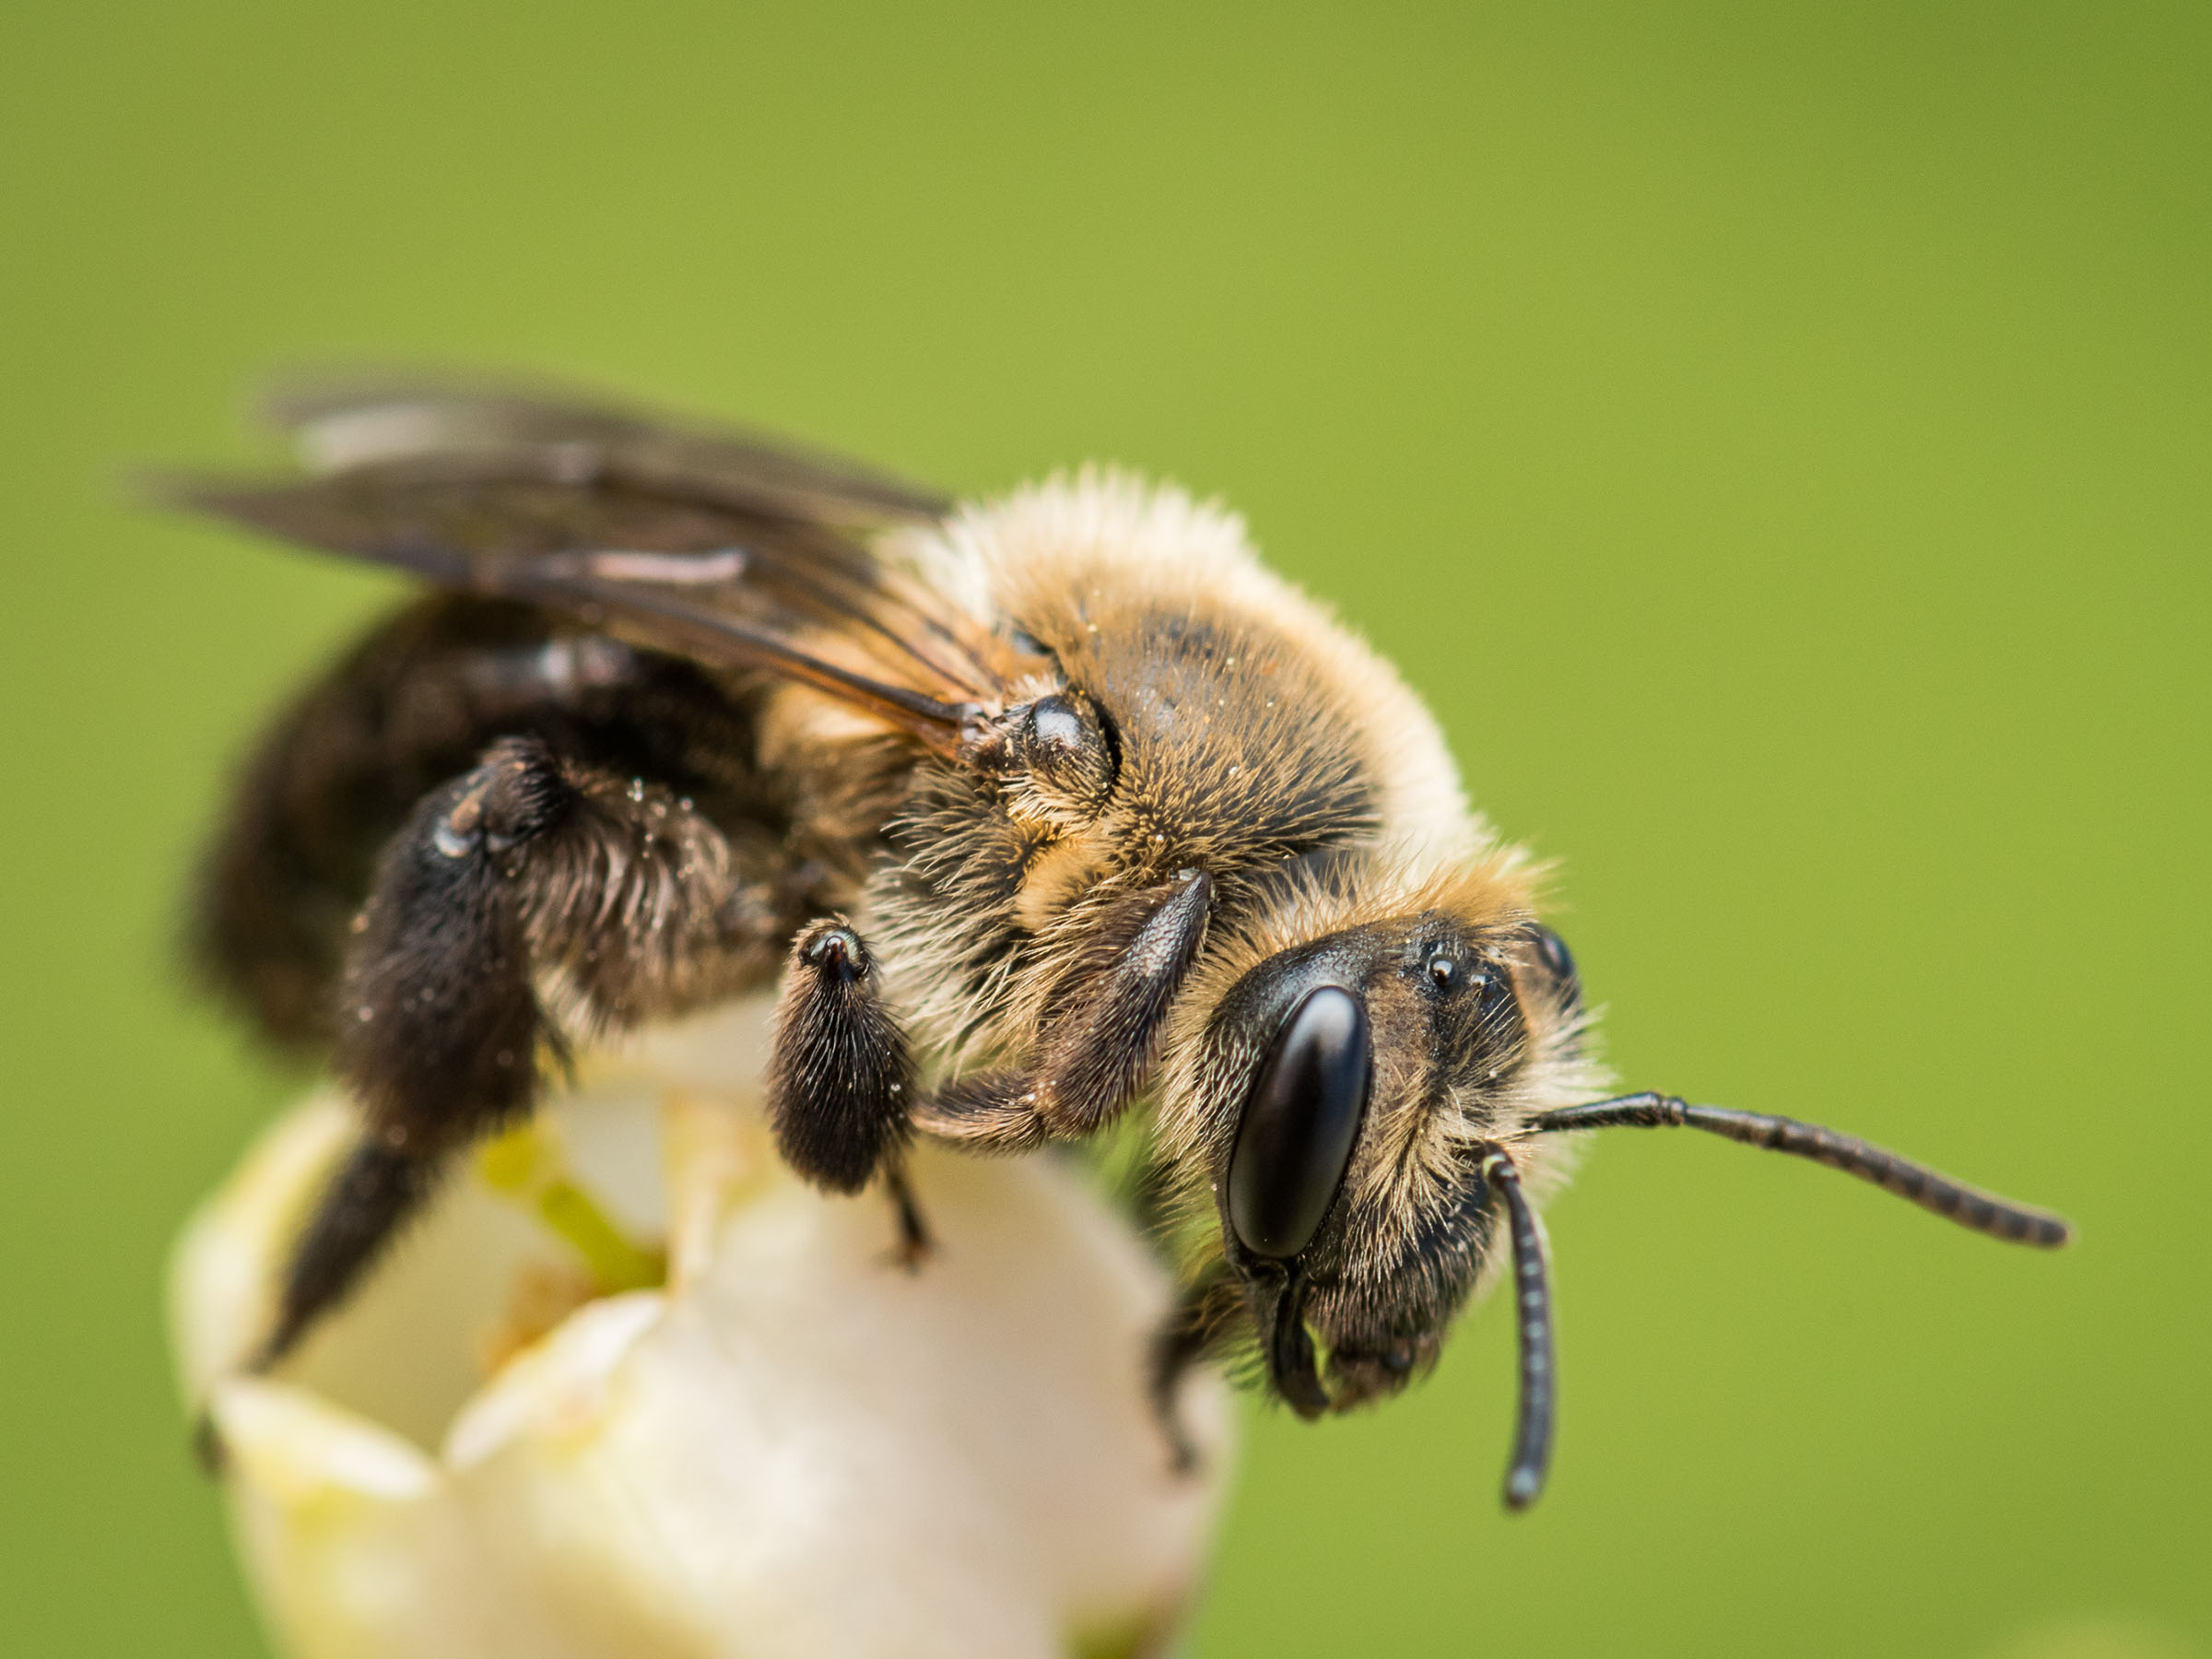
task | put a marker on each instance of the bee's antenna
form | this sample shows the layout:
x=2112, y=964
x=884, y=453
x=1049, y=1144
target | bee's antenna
x=1531, y=1317
x=1983, y=1212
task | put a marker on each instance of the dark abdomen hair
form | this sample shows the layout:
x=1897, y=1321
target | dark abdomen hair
x=415, y=704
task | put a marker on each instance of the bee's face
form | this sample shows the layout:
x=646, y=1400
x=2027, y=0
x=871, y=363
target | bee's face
x=1376, y=1065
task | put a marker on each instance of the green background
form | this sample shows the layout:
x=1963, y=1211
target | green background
x=1775, y=438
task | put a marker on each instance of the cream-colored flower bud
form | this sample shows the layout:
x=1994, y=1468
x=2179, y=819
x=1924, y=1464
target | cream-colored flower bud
x=793, y=1447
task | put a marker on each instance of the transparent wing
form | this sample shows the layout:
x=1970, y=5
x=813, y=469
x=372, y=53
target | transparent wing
x=718, y=546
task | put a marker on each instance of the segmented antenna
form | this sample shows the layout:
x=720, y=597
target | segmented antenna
x=1984, y=1212
x=1531, y=1317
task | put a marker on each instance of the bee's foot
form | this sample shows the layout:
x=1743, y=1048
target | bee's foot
x=915, y=1246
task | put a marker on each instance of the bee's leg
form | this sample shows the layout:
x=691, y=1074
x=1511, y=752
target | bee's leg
x=989, y=1111
x=914, y=1239
x=530, y=869
x=1100, y=1034
x=840, y=1077
x=413, y=705
x=369, y=1197
x=1184, y=1339
x=1102, y=1039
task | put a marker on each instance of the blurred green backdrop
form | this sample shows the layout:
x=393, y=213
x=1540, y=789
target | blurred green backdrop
x=1774, y=437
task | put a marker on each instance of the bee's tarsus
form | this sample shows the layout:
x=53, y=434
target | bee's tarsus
x=1915, y=1183
x=916, y=1245
x=985, y=1111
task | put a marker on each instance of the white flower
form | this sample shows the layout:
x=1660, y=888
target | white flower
x=792, y=1448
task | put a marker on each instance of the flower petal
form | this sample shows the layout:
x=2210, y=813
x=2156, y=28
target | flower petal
x=797, y=1447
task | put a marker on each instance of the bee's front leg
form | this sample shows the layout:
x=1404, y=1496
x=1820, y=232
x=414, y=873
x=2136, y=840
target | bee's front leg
x=1101, y=1029
x=1187, y=1337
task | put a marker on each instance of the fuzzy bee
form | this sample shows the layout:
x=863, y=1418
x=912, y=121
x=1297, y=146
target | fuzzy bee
x=1047, y=812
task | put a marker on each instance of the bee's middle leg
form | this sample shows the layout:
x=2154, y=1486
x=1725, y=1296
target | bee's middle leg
x=840, y=1079
x=915, y=1241
x=842, y=1084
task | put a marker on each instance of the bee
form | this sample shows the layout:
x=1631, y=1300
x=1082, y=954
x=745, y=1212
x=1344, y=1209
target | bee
x=1050, y=814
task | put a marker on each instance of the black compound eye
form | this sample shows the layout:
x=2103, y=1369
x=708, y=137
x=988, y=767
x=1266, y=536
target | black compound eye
x=1554, y=959
x=1300, y=1123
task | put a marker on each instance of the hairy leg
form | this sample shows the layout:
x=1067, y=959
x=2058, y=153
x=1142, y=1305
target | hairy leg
x=416, y=704
x=1099, y=1034
x=840, y=1080
x=533, y=898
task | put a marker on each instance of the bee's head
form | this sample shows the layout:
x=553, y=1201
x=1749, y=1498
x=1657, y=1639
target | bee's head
x=1350, y=1086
